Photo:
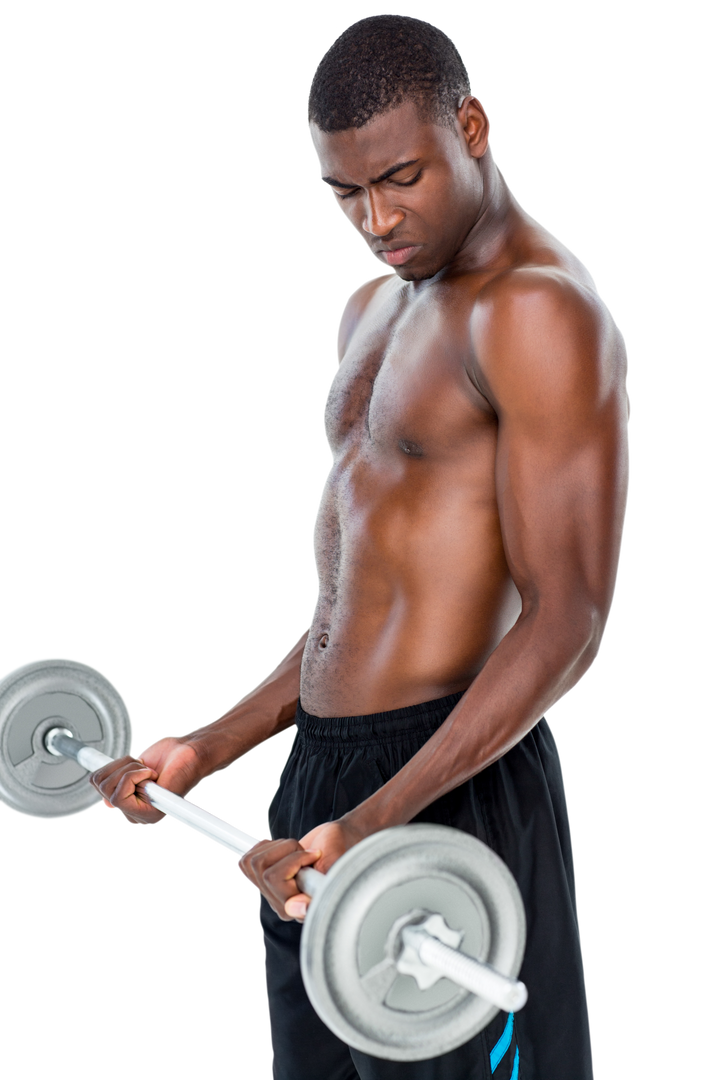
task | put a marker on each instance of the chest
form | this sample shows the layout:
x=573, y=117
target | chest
x=403, y=383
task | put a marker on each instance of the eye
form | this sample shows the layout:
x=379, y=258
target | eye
x=407, y=184
x=348, y=194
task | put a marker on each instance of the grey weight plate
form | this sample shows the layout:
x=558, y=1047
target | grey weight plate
x=387, y=875
x=44, y=695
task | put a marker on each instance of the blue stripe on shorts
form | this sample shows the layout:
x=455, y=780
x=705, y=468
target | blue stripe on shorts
x=500, y=1048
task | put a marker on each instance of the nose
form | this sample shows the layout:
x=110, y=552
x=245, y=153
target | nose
x=380, y=216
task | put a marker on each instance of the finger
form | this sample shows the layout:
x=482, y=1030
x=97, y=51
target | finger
x=140, y=787
x=306, y=859
x=120, y=789
x=246, y=862
x=121, y=785
x=258, y=859
x=296, y=907
x=106, y=780
x=272, y=865
x=286, y=869
x=279, y=885
x=101, y=775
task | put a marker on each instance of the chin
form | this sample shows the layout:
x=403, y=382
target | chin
x=418, y=274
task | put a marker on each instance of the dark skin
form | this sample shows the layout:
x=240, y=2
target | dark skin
x=469, y=532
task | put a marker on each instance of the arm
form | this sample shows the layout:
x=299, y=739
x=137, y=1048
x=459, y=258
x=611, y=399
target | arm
x=182, y=763
x=552, y=364
x=262, y=713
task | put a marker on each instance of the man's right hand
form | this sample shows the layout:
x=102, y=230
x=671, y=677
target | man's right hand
x=172, y=763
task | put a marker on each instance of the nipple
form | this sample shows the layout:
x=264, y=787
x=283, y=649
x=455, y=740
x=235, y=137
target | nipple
x=324, y=642
x=412, y=449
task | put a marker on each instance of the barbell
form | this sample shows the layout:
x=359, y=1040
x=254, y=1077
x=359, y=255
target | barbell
x=415, y=936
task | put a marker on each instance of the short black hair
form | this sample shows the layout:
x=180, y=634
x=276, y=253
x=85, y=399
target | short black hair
x=381, y=62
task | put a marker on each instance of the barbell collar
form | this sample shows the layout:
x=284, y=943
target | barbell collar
x=508, y=994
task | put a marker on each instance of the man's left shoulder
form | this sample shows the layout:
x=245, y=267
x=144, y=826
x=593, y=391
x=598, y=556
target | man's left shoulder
x=529, y=298
x=543, y=322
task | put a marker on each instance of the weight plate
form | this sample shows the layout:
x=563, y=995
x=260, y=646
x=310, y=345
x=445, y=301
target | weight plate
x=384, y=877
x=44, y=695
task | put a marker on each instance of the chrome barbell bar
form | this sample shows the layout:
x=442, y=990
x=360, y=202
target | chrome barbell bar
x=432, y=953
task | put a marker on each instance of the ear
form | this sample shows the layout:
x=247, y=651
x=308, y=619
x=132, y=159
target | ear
x=474, y=125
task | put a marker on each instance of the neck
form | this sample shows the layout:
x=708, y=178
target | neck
x=488, y=239
x=492, y=230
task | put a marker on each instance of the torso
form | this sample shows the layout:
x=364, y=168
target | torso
x=415, y=591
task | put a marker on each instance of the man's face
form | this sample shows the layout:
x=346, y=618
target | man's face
x=412, y=189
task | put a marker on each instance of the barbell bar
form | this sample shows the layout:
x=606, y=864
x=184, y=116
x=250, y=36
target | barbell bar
x=418, y=941
x=414, y=937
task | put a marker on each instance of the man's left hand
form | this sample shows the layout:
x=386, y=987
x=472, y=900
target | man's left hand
x=273, y=864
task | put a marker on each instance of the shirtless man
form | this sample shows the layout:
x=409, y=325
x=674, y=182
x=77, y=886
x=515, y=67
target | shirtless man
x=467, y=544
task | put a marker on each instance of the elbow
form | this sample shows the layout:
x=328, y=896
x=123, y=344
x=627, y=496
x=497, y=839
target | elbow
x=575, y=650
x=582, y=643
x=573, y=632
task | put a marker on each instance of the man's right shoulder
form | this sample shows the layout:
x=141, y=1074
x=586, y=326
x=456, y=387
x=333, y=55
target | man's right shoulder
x=355, y=308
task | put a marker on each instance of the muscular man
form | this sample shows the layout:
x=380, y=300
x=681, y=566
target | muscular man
x=467, y=545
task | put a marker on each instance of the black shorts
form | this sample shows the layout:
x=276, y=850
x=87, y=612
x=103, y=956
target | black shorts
x=517, y=807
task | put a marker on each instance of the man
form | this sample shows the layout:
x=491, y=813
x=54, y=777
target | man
x=467, y=544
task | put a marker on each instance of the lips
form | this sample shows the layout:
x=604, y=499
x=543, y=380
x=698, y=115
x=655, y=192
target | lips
x=399, y=255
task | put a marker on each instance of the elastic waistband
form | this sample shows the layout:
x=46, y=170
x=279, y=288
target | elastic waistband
x=374, y=727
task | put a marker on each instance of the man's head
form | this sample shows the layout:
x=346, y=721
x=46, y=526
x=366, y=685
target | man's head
x=401, y=141
x=381, y=62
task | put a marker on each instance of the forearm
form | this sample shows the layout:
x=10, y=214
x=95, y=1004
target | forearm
x=534, y=665
x=262, y=713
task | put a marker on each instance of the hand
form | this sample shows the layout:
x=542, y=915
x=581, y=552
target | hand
x=273, y=864
x=174, y=764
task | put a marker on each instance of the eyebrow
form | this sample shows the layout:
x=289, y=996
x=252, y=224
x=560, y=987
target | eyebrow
x=378, y=180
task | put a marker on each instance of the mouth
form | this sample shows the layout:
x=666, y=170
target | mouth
x=399, y=255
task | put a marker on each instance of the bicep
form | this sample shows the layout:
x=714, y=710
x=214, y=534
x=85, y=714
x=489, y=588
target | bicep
x=561, y=466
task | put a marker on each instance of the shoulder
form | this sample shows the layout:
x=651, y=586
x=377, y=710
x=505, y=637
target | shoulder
x=540, y=327
x=356, y=307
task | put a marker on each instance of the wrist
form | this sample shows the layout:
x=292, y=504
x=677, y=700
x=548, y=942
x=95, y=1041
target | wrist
x=246, y=725
x=214, y=749
x=369, y=817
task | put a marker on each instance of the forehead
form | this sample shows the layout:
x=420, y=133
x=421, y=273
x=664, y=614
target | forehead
x=358, y=154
